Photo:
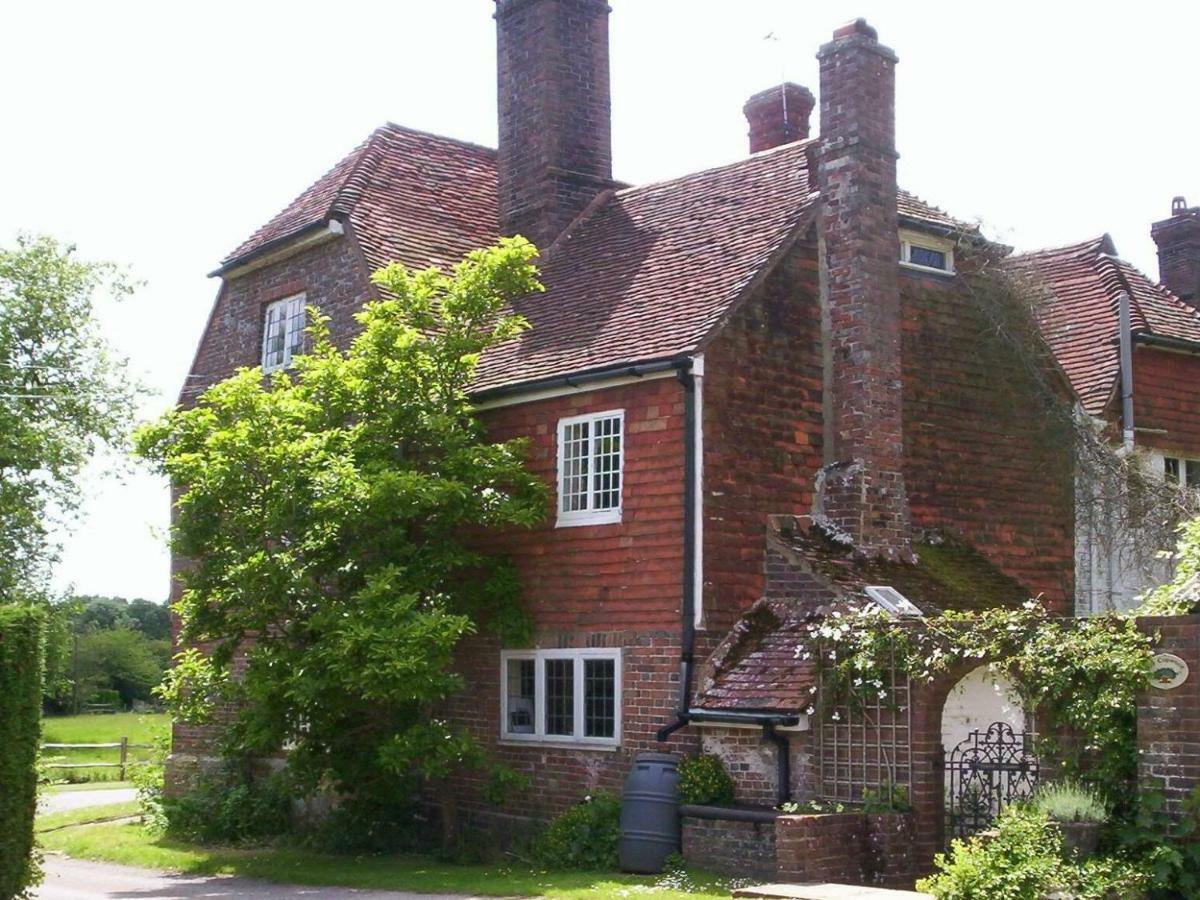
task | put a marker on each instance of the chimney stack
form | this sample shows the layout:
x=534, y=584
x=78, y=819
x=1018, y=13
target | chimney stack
x=778, y=115
x=555, y=151
x=1178, y=240
x=861, y=492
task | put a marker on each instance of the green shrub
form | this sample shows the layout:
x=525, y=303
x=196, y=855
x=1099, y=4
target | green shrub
x=22, y=637
x=1025, y=861
x=373, y=825
x=231, y=805
x=584, y=837
x=703, y=781
x=1070, y=801
x=888, y=798
x=148, y=777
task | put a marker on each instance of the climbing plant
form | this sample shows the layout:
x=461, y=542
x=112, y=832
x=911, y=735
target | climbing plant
x=1080, y=677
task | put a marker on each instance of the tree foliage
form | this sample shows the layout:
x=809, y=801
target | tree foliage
x=1181, y=595
x=64, y=394
x=332, y=513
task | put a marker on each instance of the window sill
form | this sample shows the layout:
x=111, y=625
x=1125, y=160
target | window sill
x=574, y=520
x=927, y=270
x=559, y=745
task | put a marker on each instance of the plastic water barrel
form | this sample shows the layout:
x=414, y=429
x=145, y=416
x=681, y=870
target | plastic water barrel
x=650, y=813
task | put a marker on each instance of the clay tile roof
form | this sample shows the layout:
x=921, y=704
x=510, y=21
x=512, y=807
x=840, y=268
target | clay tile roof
x=756, y=667
x=645, y=274
x=410, y=196
x=1079, y=313
x=650, y=271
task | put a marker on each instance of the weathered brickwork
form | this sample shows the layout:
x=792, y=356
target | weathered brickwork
x=864, y=492
x=1169, y=721
x=778, y=115
x=1178, y=240
x=562, y=775
x=730, y=847
x=762, y=430
x=981, y=460
x=850, y=847
x=555, y=130
x=332, y=276
x=750, y=758
x=1166, y=400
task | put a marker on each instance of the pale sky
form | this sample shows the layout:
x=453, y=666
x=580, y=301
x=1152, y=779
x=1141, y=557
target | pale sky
x=159, y=135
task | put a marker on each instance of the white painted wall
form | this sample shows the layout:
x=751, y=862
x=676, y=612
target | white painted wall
x=980, y=698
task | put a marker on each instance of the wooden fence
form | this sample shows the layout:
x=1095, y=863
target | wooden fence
x=123, y=746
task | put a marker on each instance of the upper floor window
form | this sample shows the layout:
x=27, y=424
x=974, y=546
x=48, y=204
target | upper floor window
x=283, y=332
x=1180, y=471
x=561, y=695
x=590, y=458
x=926, y=252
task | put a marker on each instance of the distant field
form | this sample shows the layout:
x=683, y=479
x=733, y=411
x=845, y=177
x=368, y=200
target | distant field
x=140, y=728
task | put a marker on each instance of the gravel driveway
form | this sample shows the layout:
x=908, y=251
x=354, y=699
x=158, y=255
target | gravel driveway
x=74, y=879
x=67, y=800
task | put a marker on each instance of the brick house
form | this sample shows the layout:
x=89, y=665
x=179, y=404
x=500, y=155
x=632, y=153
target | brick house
x=1151, y=402
x=755, y=390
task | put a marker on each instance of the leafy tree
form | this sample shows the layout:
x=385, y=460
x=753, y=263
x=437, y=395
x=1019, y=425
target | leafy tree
x=334, y=515
x=120, y=659
x=64, y=394
x=1181, y=595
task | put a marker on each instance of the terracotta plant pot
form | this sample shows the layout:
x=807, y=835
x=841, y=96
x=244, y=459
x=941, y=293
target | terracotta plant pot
x=1080, y=838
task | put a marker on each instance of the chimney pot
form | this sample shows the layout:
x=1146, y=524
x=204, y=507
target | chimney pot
x=1178, y=206
x=779, y=115
x=858, y=26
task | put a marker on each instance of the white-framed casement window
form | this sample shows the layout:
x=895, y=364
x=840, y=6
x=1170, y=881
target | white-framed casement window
x=571, y=696
x=283, y=332
x=1181, y=471
x=590, y=465
x=926, y=252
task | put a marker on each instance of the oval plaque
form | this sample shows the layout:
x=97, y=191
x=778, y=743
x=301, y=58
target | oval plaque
x=1168, y=671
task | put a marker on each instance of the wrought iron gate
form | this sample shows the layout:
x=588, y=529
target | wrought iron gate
x=986, y=772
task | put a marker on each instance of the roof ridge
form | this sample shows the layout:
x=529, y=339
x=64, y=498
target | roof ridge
x=1072, y=249
x=420, y=132
x=745, y=160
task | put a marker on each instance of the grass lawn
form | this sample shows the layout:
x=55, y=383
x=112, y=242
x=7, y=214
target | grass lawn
x=140, y=728
x=130, y=844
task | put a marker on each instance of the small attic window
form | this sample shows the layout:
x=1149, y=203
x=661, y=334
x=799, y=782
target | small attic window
x=926, y=252
x=892, y=600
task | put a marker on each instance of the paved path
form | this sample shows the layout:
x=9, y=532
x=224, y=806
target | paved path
x=66, y=800
x=73, y=879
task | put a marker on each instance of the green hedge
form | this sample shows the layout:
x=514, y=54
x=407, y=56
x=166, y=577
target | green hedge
x=22, y=635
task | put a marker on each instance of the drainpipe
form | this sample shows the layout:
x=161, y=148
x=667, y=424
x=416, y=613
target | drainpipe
x=1126, y=369
x=687, y=637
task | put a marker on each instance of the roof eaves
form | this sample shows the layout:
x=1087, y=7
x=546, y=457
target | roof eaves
x=273, y=246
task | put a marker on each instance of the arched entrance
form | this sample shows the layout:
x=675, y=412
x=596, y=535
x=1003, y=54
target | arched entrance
x=987, y=742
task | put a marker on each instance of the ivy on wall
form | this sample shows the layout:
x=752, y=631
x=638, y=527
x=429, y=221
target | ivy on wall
x=22, y=636
x=1079, y=677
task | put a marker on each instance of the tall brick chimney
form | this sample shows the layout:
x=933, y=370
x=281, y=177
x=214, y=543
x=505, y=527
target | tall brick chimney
x=555, y=132
x=1178, y=240
x=778, y=115
x=862, y=491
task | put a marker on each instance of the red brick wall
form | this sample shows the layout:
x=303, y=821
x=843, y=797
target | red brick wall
x=982, y=459
x=762, y=430
x=1166, y=395
x=1169, y=721
x=605, y=577
x=739, y=849
x=332, y=275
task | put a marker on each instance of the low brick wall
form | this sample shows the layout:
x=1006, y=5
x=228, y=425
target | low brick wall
x=849, y=847
x=743, y=847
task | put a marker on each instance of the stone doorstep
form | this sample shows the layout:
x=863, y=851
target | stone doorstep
x=815, y=891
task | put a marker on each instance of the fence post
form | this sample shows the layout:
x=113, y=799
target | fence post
x=124, y=755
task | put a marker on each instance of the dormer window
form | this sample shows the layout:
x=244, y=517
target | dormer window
x=926, y=253
x=283, y=332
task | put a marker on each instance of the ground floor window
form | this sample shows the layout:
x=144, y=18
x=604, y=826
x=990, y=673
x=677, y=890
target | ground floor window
x=561, y=695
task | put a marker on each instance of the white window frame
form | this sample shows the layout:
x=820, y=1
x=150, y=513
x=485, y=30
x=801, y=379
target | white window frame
x=590, y=516
x=288, y=344
x=539, y=657
x=910, y=239
x=1183, y=462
